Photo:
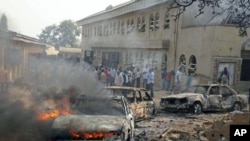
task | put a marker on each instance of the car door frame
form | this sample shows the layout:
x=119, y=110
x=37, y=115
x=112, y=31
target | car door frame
x=228, y=98
x=214, y=99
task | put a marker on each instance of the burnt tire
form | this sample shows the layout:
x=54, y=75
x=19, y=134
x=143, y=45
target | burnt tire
x=236, y=107
x=196, y=108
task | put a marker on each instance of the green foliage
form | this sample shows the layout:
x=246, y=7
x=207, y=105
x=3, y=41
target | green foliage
x=63, y=35
x=3, y=23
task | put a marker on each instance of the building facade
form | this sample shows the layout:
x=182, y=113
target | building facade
x=141, y=32
x=16, y=51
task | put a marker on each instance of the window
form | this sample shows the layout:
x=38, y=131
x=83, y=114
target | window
x=151, y=22
x=100, y=30
x=154, y=60
x=143, y=25
x=182, y=63
x=164, y=60
x=118, y=30
x=132, y=25
x=157, y=16
x=95, y=31
x=110, y=29
x=167, y=21
x=214, y=90
x=106, y=30
x=126, y=57
x=128, y=26
x=138, y=24
x=114, y=28
x=192, y=64
x=122, y=27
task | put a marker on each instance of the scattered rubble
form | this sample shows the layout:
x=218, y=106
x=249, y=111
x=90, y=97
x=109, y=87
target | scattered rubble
x=187, y=127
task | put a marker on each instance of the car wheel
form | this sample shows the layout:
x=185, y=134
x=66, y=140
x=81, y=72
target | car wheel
x=197, y=108
x=236, y=107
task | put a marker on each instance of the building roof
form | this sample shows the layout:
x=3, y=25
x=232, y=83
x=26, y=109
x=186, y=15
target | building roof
x=11, y=35
x=125, y=8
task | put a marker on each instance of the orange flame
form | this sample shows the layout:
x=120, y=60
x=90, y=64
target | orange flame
x=64, y=110
x=45, y=116
x=93, y=135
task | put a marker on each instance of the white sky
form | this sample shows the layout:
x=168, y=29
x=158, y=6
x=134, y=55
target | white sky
x=29, y=17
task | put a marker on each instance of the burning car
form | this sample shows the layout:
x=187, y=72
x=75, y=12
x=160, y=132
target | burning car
x=95, y=118
x=140, y=101
x=206, y=97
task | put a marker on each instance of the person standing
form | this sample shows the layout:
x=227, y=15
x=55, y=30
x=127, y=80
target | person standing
x=145, y=76
x=178, y=80
x=4, y=80
x=138, y=78
x=163, y=79
x=150, y=82
x=103, y=77
x=168, y=80
x=189, y=78
x=119, y=79
x=224, y=76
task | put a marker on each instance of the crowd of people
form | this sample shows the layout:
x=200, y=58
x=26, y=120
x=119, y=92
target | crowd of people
x=130, y=77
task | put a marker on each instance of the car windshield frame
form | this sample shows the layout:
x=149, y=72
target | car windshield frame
x=100, y=106
x=198, y=89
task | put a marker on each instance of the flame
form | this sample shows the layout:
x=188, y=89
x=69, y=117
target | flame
x=45, y=116
x=52, y=114
x=92, y=135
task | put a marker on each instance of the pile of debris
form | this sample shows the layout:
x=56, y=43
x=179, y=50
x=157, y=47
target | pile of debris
x=204, y=127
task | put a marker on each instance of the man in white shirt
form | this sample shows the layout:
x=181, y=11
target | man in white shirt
x=150, y=82
x=145, y=76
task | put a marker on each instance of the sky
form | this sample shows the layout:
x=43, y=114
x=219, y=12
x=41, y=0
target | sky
x=30, y=17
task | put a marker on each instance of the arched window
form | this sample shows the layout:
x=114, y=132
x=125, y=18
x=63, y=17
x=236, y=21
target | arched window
x=182, y=63
x=192, y=64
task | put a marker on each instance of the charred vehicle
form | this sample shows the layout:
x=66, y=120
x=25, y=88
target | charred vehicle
x=207, y=97
x=140, y=101
x=96, y=119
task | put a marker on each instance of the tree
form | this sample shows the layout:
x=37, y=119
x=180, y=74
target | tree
x=64, y=34
x=3, y=23
x=238, y=10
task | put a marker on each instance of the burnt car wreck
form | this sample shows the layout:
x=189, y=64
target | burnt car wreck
x=207, y=97
x=96, y=119
x=140, y=101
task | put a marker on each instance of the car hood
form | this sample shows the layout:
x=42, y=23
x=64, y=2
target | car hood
x=89, y=123
x=182, y=95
